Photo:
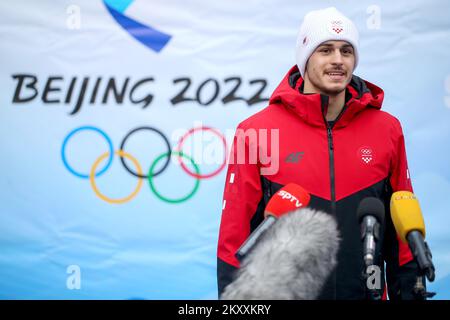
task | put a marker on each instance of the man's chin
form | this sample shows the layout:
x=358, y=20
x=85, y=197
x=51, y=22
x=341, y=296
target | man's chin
x=334, y=90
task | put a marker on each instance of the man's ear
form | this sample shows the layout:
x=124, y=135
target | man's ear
x=306, y=68
x=305, y=76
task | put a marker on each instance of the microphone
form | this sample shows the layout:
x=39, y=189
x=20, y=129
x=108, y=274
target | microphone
x=370, y=215
x=288, y=198
x=408, y=221
x=292, y=260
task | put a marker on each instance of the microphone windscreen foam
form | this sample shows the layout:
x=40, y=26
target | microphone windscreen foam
x=292, y=261
x=406, y=214
x=371, y=206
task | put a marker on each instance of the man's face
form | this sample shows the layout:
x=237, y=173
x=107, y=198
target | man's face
x=329, y=68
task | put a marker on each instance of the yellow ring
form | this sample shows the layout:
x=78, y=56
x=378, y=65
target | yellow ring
x=120, y=153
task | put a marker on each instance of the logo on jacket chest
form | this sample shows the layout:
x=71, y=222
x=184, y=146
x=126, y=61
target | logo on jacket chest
x=366, y=155
x=294, y=157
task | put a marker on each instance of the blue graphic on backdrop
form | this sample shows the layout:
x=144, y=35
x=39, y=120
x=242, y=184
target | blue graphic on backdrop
x=147, y=35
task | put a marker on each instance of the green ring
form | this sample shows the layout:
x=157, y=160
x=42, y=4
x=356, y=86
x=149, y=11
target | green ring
x=150, y=177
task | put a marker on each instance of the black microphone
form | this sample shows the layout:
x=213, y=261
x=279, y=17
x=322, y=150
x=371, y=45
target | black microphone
x=370, y=215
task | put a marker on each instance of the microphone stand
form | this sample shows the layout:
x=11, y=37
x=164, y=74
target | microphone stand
x=420, y=291
x=373, y=295
x=370, y=234
x=423, y=259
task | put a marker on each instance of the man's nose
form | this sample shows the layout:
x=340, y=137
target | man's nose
x=336, y=57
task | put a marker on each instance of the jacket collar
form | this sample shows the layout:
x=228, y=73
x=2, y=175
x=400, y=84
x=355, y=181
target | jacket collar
x=311, y=108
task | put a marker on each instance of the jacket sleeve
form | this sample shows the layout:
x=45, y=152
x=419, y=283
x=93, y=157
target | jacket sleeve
x=242, y=194
x=401, y=268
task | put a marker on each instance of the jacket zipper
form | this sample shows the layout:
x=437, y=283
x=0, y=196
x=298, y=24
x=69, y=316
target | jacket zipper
x=332, y=174
x=331, y=151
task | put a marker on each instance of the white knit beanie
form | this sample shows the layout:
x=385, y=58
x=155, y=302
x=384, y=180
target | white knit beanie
x=323, y=25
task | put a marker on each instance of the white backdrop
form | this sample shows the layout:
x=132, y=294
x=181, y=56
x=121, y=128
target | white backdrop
x=110, y=67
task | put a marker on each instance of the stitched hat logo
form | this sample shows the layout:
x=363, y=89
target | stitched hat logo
x=336, y=26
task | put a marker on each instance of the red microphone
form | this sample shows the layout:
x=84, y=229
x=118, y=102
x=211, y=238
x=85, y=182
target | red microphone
x=289, y=198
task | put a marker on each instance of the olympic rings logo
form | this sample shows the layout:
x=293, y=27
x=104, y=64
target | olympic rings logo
x=366, y=151
x=95, y=171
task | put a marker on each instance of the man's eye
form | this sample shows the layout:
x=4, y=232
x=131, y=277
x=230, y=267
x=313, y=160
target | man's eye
x=325, y=50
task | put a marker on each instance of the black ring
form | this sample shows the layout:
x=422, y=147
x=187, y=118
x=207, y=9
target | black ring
x=122, y=145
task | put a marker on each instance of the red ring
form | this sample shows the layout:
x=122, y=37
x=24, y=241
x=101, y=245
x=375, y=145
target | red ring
x=180, y=145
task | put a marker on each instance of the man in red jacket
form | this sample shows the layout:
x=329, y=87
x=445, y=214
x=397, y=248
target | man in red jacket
x=333, y=140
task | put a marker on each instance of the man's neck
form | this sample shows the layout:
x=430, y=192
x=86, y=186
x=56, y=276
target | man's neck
x=335, y=106
x=335, y=103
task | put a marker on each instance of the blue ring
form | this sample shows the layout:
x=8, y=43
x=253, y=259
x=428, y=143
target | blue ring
x=63, y=151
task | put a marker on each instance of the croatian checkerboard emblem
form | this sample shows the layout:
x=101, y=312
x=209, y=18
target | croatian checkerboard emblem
x=336, y=26
x=366, y=154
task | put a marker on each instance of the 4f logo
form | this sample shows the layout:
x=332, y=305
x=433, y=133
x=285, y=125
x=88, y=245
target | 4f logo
x=294, y=157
